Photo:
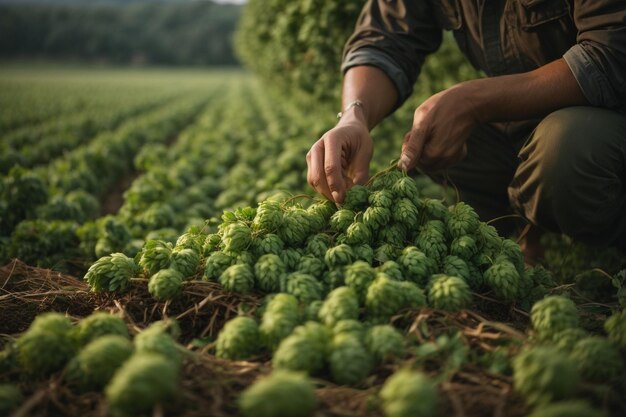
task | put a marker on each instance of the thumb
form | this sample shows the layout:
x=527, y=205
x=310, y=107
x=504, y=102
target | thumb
x=412, y=149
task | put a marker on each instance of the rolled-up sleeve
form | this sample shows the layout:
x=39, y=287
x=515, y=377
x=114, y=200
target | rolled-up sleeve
x=395, y=36
x=598, y=60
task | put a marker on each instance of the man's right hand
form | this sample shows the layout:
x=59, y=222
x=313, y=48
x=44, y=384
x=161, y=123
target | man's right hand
x=341, y=157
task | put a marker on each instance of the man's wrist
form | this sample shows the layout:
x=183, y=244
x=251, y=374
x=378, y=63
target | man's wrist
x=354, y=114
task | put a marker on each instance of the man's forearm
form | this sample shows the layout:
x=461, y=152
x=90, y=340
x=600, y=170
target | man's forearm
x=527, y=95
x=374, y=89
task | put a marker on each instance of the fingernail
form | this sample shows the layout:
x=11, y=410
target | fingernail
x=404, y=162
x=335, y=195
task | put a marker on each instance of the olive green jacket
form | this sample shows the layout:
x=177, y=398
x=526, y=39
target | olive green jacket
x=498, y=37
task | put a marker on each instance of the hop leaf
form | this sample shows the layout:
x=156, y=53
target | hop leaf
x=553, y=314
x=268, y=216
x=238, y=278
x=216, y=264
x=281, y=394
x=543, y=375
x=463, y=220
x=239, y=339
x=185, y=261
x=384, y=342
x=140, y=383
x=155, y=255
x=268, y=270
x=416, y=266
x=236, y=237
x=449, y=293
x=340, y=304
x=504, y=279
x=165, y=284
x=304, y=287
x=409, y=393
x=359, y=276
x=597, y=360
x=341, y=219
x=100, y=324
x=111, y=273
x=349, y=361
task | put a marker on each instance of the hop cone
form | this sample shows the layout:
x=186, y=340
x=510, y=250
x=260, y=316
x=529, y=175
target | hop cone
x=392, y=269
x=488, y=238
x=352, y=327
x=349, y=361
x=393, y=234
x=432, y=240
x=463, y=220
x=316, y=221
x=553, y=314
x=571, y=408
x=597, y=360
x=236, y=237
x=339, y=255
x=299, y=352
x=513, y=253
x=185, y=261
x=333, y=279
x=141, y=382
x=504, y=279
x=385, y=297
x=191, y=241
x=99, y=324
x=464, y=247
x=363, y=253
x=386, y=252
x=155, y=256
x=384, y=342
x=211, y=243
x=290, y=258
x=416, y=266
x=324, y=208
x=56, y=323
x=565, y=340
x=155, y=340
x=449, y=293
x=455, y=266
x=376, y=217
x=216, y=264
x=358, y=233
x=165, y=284
x=295, y=227
x=281, y=394
x=405, y=213
x=268, y=216
x=615, y=327
x=381, y=198
x=313, y=310
x=42, y=352
x=96, y=363
x=359, y=276
x=341, y=220
x=356, y=198
x=268, y=270
x=408, y=393
x=387, y=180
x=304, y=287
x=435, y=209
x=317, y=245
x=239, y=339
x=340, y=304
x=266, y=244
x=280, y=318
x=543, y=375
x=405, y=187
x=311, y=265
x=111, y=273
x=238, y=278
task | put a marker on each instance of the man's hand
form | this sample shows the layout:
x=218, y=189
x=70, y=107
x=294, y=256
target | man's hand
x=441, y=125
x=340, y=158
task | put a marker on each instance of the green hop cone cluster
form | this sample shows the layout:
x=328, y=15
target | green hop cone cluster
x=99, y=324
x=463, y=220
x=10, y=398
x=185, y=261
x=111, y=273
x=543, y=375
x=416, y=266
x=155, y=256
x=571, y=408
x=95, y=364
x=140, y=383
x=268, y=271
x=359, y=276
x=236, y=237
x=553, y=314
x=216, y=264
x=503, y=278
x=384, y=343
x=340, y=304
x=303, y=350
x=615, y=327
x=409, y=393
x=338, y=256
x=349, y=361
x=597, y=360
x=268, y=216
x=266, y=244
x=238, y=278
x=281, y=394
x=239, y=339
x=304, y=287
x=386, y=297
x=281, y=316
x=448, y=293
x=165, y=284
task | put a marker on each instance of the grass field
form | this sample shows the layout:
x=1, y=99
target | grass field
x=202, y=174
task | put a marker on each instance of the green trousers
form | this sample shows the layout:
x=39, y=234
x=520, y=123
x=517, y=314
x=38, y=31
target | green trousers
x=566, y=173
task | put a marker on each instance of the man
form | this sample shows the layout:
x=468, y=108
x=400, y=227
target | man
x=545, y=133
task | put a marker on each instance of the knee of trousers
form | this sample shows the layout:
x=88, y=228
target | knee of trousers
x=571, y=174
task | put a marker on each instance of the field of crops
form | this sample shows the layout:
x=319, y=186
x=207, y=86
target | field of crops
x=162, y=254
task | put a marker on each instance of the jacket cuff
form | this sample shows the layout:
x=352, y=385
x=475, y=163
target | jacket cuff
x=376, y=58
x=592, y=81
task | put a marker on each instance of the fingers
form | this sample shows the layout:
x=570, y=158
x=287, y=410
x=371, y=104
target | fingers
x=334, y=171
x=412, y=148
x=360, y=170
x=315, y=173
